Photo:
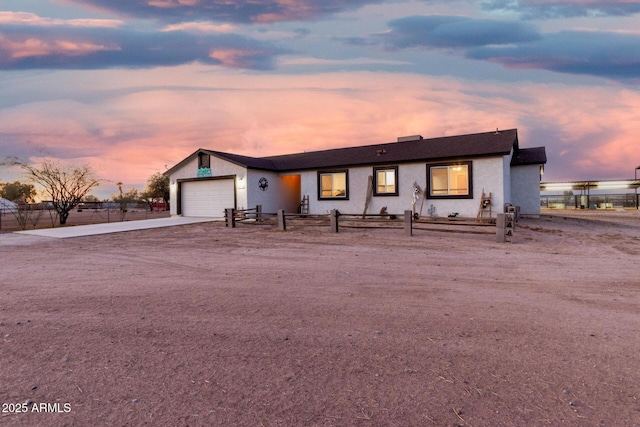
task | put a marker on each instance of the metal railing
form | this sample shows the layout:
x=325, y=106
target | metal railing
x=591, y=201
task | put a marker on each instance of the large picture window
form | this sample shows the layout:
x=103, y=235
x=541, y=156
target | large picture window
x=385, y=181
x=333, y=184
x=450, y=180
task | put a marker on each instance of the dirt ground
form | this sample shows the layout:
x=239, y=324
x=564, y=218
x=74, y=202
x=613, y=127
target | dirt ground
x=45, y=219
x=203, y=325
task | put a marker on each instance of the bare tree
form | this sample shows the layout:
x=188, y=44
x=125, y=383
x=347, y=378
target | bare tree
x=65, y=186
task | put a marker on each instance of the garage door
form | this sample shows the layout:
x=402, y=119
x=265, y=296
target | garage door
x=208, y=198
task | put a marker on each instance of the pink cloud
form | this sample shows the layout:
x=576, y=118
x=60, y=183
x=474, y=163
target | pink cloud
x=31, y=19
x=171, y=3
x=201, y=27
x=130, y=134
x=34, y=47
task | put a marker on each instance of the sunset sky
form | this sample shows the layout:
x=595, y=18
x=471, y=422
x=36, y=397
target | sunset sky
x=131, y=87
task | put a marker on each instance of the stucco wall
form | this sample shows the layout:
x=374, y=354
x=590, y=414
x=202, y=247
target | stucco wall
x=519, y=185
x=282, y=192
x=487, y=174
x=219, y=167
x=506, y=167
x=525, y=189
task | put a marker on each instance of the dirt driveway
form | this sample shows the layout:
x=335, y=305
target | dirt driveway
x=202, y=325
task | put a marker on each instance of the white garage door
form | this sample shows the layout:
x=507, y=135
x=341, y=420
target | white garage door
x=207, y=198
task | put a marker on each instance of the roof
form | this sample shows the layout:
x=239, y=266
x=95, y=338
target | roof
x=496, y=143
x=609, y=184
x=7, y=205
x=529, y=156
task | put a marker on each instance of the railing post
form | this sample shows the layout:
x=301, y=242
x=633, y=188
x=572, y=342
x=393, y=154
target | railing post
x=408, y=223
x=230, y=217
x=333, y=219
x=282, y=225
x=259, y=213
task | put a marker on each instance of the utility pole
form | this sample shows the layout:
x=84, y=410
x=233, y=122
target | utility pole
x=635, y=176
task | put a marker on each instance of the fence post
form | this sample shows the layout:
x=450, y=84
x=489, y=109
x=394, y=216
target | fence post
x=259, y=213
x=282, y=225
x=505, y=225
x=333, y=217
x=408, y=223
x=230, y=217
x=501, y=222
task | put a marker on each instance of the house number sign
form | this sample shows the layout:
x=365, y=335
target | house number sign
x=263, y=183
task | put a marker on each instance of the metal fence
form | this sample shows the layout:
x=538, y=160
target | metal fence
x=591, y=201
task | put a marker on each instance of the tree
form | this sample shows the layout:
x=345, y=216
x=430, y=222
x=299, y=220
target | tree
x=124, y=199
x=23, y=194
x=17, y=190
x=157, y=188
x=65, y=186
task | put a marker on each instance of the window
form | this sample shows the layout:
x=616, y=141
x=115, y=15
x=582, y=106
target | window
x=385, y=181
x=451, y=180
x=333, y=185
x=204, y=165
x=204, y=161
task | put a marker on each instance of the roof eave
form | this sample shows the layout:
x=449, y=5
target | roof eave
x=184, y=161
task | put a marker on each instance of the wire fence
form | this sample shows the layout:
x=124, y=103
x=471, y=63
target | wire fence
x=23, y=216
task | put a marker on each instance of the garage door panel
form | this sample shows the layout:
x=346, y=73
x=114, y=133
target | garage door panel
x=208, y=198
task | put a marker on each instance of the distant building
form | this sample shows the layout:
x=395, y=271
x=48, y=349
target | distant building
x=592, y=194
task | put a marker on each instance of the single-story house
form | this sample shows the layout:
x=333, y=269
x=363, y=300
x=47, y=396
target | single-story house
x=437, y=177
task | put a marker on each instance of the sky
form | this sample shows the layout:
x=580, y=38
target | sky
x=132, y=87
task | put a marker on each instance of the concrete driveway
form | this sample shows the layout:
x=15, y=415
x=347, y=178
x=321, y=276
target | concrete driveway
x=113, y=227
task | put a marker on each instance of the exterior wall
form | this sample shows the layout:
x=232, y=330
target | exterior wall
x=506, y=167
x=282, y=192
x=488, y=176
x=219, y=167
x=487, y=173
x=517, y=185
x=525, y=189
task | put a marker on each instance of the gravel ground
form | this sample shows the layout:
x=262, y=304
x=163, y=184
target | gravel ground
x=203, y=325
